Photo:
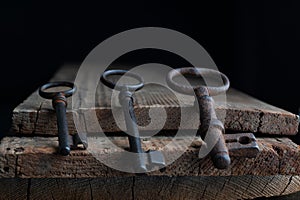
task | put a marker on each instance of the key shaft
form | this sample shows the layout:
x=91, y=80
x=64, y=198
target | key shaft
x=126, y=100
x=59, y=103
x=210, y=125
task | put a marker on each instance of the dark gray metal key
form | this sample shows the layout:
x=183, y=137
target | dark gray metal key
x=208, y=119
x=126, y=101
x=59, y=103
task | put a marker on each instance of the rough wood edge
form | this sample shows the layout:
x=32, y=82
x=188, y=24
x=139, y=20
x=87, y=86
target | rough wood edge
x=35, y=157
x=244, y=113
x=43, y=121
x=153, y=187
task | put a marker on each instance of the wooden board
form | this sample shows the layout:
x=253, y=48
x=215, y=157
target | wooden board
x=35, y=157
x=13, y=188
x=153, y=187
x=243, y=113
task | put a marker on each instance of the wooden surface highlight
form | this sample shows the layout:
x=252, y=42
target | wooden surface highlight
x=243, y=113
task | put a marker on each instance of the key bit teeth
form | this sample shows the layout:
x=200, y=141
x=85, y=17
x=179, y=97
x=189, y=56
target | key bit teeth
x=142, y=169
x=242, y=145
x=156, y=159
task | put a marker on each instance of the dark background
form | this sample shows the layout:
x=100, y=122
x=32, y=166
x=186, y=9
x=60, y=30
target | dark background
x=255, y=43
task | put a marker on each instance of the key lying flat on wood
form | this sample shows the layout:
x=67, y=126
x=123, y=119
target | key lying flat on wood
x=59, y=103
x=208, y=119
x=242, y=145
x=238, y=145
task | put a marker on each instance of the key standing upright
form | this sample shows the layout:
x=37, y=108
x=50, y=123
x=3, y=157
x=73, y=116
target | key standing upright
x=126, y=101
x=209, y=123
x=59, y=103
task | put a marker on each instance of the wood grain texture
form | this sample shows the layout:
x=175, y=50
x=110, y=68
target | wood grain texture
x=151, y=187
x=13, y=188
x=243, y=113
x=35, y=157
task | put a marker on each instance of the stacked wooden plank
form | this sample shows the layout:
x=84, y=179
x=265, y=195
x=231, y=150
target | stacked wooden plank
x=32, y=155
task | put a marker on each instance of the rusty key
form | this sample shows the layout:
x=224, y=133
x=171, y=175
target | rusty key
x=242, y=145
x=208, y=119
x=126, y=100
x=59, y=103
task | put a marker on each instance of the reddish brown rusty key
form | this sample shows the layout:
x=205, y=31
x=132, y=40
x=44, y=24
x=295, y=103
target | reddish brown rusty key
x=210, y=124
x=242, y=145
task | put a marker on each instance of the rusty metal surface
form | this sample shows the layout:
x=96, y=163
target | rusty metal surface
x=242, y=145
x=211, y=125
x=209, y=122
x=197, y=72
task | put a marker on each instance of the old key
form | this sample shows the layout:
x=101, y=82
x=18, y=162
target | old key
x=126, y=101
x=208, y=119
x=59, y=103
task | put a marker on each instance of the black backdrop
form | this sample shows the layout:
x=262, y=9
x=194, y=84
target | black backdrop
x=256, y=43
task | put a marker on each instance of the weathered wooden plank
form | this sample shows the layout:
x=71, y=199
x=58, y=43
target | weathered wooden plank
x=210, y=188
x=243, y=113
x=13, y=189
x=151, y=187
x=35, y=157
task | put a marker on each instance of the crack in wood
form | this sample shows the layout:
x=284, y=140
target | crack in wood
x=149, y=188
x=28, y=189
x=260, y=123
x=287, y=185
x=203, y=193
x=250, y=183
x=265, y=186
x=37, y=117
x=91, y=189
x=16, y=165
x=132, y=188
x=223, y=186
x=52, y=197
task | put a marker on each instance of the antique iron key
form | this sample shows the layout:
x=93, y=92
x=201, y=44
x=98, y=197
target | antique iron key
x=209, y=124
x=59, y=103
x=126, y=101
